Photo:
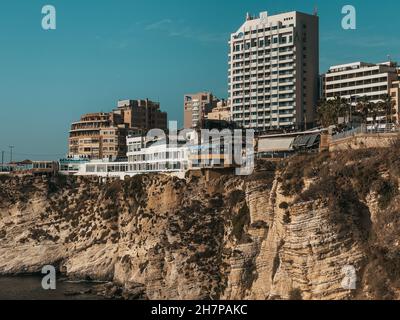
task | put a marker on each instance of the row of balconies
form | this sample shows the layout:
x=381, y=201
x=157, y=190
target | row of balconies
x=272, y=93
x=255, y=78
x=266, y=88
x=261, y=100
x=257, y=53
x=350, y=74
x=263, y=84
x=261, y=60
x=249, y=123
x=358, y=90
x=262, y=66
x=373, y=96
x=358, y=84
x=264, y=107
x=253, y=45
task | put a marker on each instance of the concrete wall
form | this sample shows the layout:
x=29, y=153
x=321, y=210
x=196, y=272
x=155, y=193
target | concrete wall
x=364, y=141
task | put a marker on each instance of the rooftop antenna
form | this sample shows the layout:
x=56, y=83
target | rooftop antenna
x=389, y=58
x=316, y=10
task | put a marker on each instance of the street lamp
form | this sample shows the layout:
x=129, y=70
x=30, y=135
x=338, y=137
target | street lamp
x=11, y=153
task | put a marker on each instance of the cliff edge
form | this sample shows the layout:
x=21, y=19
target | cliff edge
x=294, y=230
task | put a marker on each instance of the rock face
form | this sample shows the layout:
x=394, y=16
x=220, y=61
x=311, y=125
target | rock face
x=297, y=230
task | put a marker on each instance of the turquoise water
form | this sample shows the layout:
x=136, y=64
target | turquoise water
x=30, y=288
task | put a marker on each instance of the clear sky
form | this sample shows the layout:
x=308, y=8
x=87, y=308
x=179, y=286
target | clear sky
x=106, y=50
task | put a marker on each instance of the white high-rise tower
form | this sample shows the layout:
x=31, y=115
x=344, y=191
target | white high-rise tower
x=274, y=72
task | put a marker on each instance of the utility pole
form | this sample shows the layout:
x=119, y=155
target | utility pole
x=2, y=161
x=11, y=153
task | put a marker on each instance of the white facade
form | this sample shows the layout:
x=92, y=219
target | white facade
x=72, y=164
x=154, y=156
x=356, y=80
x=274, y=71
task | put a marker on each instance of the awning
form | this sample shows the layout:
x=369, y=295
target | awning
x=305, y=141
x=275, y=144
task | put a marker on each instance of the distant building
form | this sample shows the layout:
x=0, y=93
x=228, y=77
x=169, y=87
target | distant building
x=221, y=112
x=103, y=135
x=99, y=136
x=357, y=80
x=28, y=167
x=197, y=107
x=274, y=72
x=395, y=94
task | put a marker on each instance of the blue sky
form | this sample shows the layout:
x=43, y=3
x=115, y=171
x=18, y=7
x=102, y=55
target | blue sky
x=107, y=50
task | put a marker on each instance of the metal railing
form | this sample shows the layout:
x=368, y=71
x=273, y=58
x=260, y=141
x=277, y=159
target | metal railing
x=368, y=129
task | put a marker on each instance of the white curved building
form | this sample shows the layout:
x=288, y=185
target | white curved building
x=152, y=156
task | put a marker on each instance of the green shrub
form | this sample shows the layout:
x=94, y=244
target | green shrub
x=295, y=295
x=56, y=183
x=386, y=190
x=240, y=221
x=284, y=205
x=286, y=218
x=113, y=190
x=236, y=196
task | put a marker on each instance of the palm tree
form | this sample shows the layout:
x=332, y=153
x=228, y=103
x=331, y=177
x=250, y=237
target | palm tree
x=364, y=108
x=374, y=112
x=326, y=113
x=329, y=111
x=388, y=108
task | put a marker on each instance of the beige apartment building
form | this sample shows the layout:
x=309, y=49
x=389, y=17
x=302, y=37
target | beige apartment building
x=98, y=136
x=197, y=106
x=360, y=79
x=103, y=135
x=395, y=94
x=274, y=71
x=221, y=112
x=144, y=114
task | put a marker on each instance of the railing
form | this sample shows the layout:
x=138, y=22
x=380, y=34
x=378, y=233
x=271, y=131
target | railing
x=349, y=133
x=368, y=129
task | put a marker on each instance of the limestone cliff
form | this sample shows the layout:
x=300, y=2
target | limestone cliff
x=286, y=232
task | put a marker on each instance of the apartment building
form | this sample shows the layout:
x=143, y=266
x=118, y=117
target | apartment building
x=274, y=71
x=222, y=112
x=197, y=106
x=142, y=114
x=103, y=135
x=156, y=155
x=99, y=136
x=359, y=79
x=395, y=94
